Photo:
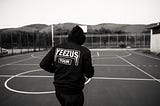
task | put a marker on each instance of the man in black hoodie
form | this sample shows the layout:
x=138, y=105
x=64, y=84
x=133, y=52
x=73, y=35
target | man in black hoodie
x=71, y=63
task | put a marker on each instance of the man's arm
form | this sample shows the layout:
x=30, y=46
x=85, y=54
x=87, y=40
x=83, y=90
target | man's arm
x=88, y=68
x=47, y=62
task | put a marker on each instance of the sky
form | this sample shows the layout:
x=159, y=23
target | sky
x=17, y=13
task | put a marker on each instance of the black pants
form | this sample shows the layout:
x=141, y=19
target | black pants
x=70, y=100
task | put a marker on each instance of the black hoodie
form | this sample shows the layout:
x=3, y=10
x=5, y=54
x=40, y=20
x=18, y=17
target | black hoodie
x=70, y=62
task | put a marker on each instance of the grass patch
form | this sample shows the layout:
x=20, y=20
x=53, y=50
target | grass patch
x=158, y=54
x=151, y=53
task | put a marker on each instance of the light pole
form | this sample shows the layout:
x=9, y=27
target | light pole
x=52, y=29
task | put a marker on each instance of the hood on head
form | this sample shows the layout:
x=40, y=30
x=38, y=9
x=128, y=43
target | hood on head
x=77, y=35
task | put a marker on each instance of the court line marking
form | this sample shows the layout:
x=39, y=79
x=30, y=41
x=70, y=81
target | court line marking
x=23, y=64
x=97, y=65
x=15, y=62
x=119, y=49
x=98, y=78
x=100, y=65
x=98, y=54
x=114, y=65
x=25, y=92
x=18, y=55
x=27, y=76
x=93, y=56
x=147, y=56
x=39, y=56
x=113, y=56
x=127, y=79
x=139, y=68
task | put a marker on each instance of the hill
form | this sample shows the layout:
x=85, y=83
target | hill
x=27, y=28
x=121, y=27
x=66, y=27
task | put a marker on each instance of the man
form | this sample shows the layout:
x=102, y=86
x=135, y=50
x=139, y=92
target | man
x=71, y=63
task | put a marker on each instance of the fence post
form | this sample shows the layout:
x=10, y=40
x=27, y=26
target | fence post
x=39, y=41
x=108, y=40
x=34, y=48
x=117, y=40
x=21, y=42
x=0, y=45
x=135, y=43
x=27, y=43
x=92, y=40
x=100, y=41
x=126, y=39
x=45, y=41
x=48, y=40
x=144, y=40
x=12, y=43
x=60, y=39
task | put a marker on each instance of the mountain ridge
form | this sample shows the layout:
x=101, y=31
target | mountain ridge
x=127, y=28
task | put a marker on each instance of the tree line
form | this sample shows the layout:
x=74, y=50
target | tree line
x=22, y=39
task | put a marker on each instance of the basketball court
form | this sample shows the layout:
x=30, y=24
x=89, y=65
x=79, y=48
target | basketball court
x=122, y=78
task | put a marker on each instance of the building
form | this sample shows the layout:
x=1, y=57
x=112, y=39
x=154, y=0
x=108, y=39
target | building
x=155, y=38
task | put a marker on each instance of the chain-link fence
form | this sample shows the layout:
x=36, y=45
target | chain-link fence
x=140, y=40
x=25, y=42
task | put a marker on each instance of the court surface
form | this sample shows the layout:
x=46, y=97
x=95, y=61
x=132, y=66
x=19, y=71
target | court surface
x=122, y=78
